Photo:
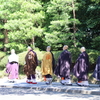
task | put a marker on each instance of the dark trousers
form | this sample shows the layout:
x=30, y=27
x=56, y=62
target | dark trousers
x=31, y=76
x=48, y=76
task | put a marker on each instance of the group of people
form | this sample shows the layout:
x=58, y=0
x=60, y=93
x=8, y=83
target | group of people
x=63, y=67
x=48, y=67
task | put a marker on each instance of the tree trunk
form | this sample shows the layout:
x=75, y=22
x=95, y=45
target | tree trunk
x=74, y=25
x=33, y=42
x=5, y=37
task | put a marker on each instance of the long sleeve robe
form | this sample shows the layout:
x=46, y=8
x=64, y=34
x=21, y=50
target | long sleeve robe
x=46, y=65
x=12, y=68
x=31, y=63
x=81, y=67
x=63, y=66
x=96, y=73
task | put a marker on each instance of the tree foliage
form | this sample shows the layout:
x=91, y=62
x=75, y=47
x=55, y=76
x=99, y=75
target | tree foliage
x=49, y=22
x=61, y=22
x=90, y=23
x=23, y=21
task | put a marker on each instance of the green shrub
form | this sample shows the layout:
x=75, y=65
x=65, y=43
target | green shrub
x=74, y=54
x=22, y=58
x=2, y=54
x=3, y=62
x=39, y=53
x=56, y=55
x=93, y=55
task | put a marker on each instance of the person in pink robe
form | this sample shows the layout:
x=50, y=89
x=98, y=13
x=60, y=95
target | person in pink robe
x=12, y=67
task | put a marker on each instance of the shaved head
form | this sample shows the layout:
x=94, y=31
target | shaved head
x=65, y=47
x=29, y=48
x=82, y=49
x=48, y=48
x=12, y=51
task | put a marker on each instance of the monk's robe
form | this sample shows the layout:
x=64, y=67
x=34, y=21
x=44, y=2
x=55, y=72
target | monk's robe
x=96, y=73
x=12, y=67
x=53, y=62
x=81, y=67
x=46, y=66
x=31, y=63
x=63, y=66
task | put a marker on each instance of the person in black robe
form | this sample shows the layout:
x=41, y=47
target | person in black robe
x=31, y=62
x=63, y=66
x=96, y=73
x=81, y=68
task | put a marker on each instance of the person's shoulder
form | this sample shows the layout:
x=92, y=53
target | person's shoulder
x=48, y=52
x=32, y=51
x=66, y=51
x=9, y=56
x=85, y=52
x=98, y=57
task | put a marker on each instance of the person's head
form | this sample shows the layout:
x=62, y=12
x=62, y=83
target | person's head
x=65, y=47
x=12, y=51
x=48, y=48
x=82, y=49
x=29, y=48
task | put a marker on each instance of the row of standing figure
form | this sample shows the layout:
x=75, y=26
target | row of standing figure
x=62, y=69
x=48, y=68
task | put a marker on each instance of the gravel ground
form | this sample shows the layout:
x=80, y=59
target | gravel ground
x=31, y=94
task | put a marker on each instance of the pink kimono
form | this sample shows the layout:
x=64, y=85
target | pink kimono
x=12, y=70
x=12, y=66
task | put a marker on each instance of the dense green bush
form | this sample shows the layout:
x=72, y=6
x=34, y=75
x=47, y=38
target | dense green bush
x=22, y=58
x=56, y=55
x=2, y=54
x=74, y=54
x=93, y=55
x=3, y=62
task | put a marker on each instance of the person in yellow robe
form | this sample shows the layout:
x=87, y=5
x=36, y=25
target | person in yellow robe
x=47, y=66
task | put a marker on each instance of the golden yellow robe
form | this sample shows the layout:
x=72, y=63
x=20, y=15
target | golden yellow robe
x=46, y=66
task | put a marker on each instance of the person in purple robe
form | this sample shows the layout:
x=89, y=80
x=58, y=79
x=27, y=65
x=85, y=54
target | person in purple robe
x=12, y=67
x=96, y=73
x=81, y=68
x=31, y=62
x=62, y=69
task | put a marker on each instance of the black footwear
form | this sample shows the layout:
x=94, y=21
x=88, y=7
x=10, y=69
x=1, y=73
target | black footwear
x=86, y=85
x=68, y=84
x=62, y=83
x=79, y=84
x=47, y=83
x=11, y=81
